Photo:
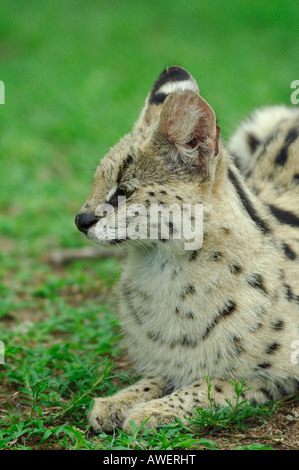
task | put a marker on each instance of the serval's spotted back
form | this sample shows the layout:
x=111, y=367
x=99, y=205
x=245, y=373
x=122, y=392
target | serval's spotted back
x=229, y=310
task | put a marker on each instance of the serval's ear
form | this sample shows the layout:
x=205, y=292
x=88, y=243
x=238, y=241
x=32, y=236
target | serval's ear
x=171, y=79
x=188, y=122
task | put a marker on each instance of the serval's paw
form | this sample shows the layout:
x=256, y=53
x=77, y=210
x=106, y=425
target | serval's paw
x=108, y=413
x=159, y=415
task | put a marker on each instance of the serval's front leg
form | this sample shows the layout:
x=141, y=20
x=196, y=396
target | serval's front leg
x=110, y=412
x=183, y=402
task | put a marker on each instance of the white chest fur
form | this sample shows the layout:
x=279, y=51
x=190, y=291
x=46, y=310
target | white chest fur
x=167, y=308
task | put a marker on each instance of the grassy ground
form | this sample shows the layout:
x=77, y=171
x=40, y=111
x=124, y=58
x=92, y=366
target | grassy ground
x=76, y=75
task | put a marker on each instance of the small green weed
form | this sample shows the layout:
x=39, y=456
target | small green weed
x=216, y=417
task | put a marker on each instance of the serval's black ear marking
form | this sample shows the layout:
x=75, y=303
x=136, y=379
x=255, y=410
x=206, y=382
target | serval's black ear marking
x=171, y=79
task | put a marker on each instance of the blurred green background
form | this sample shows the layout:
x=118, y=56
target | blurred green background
x=77, y=72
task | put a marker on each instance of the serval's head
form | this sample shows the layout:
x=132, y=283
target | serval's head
x=168, y=159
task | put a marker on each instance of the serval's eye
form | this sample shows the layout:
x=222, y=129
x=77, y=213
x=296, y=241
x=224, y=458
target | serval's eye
x=128, y=192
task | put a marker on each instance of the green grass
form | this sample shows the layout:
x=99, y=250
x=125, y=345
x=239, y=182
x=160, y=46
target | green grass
x=76, y=75
x=55, y=415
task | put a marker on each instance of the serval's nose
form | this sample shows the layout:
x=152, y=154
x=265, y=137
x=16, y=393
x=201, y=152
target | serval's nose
x=85, y=220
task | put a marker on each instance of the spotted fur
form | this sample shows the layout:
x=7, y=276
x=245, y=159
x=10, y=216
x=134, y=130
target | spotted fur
x=229, y=310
